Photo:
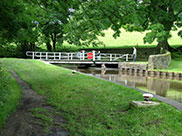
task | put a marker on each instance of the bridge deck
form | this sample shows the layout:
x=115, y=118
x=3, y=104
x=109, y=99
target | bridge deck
x=80, y=62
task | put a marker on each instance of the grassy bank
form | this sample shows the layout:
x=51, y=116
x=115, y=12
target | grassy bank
x=175, y=66
x=93, y=107
x=10, y=94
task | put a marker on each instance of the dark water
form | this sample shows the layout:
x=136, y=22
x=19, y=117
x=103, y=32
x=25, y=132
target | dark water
x=169, y=88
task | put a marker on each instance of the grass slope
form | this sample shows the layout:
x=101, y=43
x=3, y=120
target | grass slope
x=94, y=107
x=10, y=94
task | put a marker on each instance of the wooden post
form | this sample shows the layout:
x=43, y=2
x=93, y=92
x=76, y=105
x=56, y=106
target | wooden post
x=126, y=57
x=93, y=55
x=71, y=56
x=59, y=56
x=46, y=56
x=83, y=55
x=110, y=57
x=68, y=56
x=54, y=56
x=33, y=55
x=40, y=55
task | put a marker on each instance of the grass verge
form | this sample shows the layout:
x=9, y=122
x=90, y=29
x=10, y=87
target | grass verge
x=94, y=107
x=10, y=94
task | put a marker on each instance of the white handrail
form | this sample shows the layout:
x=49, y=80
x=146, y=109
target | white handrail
x=81, y=56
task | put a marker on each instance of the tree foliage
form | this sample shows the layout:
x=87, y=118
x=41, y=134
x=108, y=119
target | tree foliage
x=158, y=17
x=10, y=16
x=28, y=23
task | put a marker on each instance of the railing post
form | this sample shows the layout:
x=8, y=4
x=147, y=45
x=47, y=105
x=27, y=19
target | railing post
x=93, y=55
x=33, y=55
x=68, y=56
x=126, y=57
x=110, y=57
x=54, y=56
x=40, y=55
x=71, y=56
x=46, y=56
x=59, y=56
x=83, y=55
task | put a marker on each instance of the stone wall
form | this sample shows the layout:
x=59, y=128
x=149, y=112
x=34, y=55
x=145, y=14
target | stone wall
x=160, y=61
x=132, y=65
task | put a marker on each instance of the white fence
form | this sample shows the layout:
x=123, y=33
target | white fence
x=78, y=56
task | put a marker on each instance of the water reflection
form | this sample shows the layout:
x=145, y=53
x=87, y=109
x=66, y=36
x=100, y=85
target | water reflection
x=156, y=85
x=159, y=86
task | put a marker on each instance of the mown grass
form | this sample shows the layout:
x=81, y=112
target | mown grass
x=134, y=38
x=94, y=107
x=10, y=94
x=126, y=40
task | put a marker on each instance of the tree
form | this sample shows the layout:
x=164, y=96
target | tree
x=18, y=29
x=28, y=35
x=94, y=16
x=10, y=13
x=54, y=16
x=52, y=30
x=159, y=17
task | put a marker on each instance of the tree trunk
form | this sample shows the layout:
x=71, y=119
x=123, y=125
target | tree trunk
x=23, y=49
x=166, y=20
x=49, y=47
x=32, y=46
x=53, y=38
x=54, y=45
x=163, y=45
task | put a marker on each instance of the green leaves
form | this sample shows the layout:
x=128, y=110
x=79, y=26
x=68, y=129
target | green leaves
x=11, y=12
x=80, y=22
x=180, y=33
x=157, y=32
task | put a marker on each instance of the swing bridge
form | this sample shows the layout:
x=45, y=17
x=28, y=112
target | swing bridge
x=81, y=57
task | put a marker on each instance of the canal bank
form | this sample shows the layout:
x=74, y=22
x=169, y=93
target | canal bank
x=95, y=107
x=158, y=87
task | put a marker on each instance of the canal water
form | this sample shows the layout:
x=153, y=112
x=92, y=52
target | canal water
x=163, y=86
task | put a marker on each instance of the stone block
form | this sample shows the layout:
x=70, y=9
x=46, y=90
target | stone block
x=160, y=61
x=144, y=103
x=133, y=65
x=171, y=74
x=164, y=73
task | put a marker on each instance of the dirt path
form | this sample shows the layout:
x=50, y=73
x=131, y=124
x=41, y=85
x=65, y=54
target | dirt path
x=33, y=116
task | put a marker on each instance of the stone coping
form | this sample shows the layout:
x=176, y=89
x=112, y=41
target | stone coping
x=152, y=72
x=144, y=103
x=132, y=65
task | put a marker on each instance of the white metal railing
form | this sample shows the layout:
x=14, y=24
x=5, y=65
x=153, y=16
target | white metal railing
x=78, y=56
